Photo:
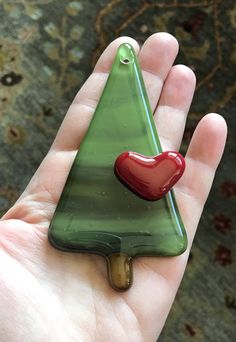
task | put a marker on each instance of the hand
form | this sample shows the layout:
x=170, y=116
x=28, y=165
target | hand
x=50, y=295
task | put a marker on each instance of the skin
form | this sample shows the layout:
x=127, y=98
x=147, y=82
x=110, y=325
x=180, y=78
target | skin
x=49, y=295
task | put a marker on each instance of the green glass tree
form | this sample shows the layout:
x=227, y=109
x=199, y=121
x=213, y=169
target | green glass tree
x=96, y=212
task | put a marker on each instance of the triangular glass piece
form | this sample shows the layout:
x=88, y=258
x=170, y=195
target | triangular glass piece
x=98, y=214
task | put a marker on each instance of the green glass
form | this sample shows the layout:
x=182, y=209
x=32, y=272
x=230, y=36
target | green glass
x=98, y=214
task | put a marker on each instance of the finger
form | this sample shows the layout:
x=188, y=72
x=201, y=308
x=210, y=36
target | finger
x=171, y=113
x=79, y=115
x=156, y=58
x=202, y=158
x=162, y=276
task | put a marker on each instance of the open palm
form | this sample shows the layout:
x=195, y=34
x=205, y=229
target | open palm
x=50, y=295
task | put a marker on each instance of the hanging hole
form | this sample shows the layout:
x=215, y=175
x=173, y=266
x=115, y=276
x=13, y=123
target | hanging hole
x=125, y=61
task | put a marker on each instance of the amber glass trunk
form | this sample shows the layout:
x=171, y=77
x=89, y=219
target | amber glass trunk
x=98, y=214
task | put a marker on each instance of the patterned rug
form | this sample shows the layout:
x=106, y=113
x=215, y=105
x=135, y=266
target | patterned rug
x=48, y=48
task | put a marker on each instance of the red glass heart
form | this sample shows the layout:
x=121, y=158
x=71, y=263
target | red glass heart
x=149, y=177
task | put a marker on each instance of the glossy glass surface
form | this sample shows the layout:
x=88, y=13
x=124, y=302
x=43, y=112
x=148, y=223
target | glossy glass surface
x=149, y=177
x=98, y=214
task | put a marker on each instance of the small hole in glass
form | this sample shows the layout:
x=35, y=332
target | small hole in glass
x=125, y=61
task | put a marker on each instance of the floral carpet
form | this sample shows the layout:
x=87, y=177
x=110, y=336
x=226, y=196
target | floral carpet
x=48, y=48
